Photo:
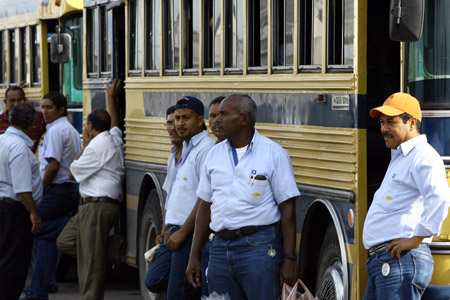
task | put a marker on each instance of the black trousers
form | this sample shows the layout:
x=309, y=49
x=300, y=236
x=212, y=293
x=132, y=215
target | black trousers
x=16, y=242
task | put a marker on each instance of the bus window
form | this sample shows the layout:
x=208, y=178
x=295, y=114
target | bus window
x=234, y=35
x=106, y=41
x=211, y=35
x=283, y=33
x=429, y=59
x=152, y=36
x=25, y=53
x=340, y=33
x=136, y=38
x=3, y=56
x=72, y=74
x=191, y=37
x=311, y=32
x=171, y=23
x=258, y=33
x=14, y=56
x=36, y=55
x=93, y=48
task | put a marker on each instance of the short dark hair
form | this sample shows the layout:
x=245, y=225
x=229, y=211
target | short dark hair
x=405, y=117
x=100, y=120
x=22, y=115
x=58, y=100
x=170, y=110
x=15, y=88
x=217, y=100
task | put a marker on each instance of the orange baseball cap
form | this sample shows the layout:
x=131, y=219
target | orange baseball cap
x=398, y=104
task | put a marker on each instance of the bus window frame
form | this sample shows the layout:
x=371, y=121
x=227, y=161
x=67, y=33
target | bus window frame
x=36, y=67
x=152, y=33
x=3, y=58
x=134, y=54
x=14, y=56
x=279, y=16
x=97, y=39
x=254, y=23
x=25, y=55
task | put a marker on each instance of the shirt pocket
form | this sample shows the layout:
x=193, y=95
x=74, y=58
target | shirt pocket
x=257, y=191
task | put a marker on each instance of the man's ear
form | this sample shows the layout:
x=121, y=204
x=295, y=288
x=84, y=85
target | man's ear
x=245, y=119
x=413, y=123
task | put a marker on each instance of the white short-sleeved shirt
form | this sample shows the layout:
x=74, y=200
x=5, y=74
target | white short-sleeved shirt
x=62, y=143
x=172, y=168
x=182, y=197
x=19, y=170
x=239, y=198
x=413, y=198
x=100, y=169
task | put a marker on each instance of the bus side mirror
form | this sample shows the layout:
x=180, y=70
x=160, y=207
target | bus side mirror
x=406, y=20
x=60, y=48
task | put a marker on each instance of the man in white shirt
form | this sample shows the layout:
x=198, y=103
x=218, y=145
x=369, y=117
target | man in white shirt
x=20, y=193
x=181, y=202
x=61, y=196
x=248, y=192
x=157, y=277
x=408, y=208
x=99, y=170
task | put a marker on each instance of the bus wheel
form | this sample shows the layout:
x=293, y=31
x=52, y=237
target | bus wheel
x=151, y=225
x=329, y=271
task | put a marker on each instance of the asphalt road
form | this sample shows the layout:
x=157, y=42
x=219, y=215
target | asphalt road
x=122, y=284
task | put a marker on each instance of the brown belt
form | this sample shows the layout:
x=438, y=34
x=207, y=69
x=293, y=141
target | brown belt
x=10, y=201
x=101, y=199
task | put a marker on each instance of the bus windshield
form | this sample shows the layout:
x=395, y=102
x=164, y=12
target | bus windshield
x=429, y=58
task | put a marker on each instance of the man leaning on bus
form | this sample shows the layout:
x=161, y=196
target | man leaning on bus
x=408, y=208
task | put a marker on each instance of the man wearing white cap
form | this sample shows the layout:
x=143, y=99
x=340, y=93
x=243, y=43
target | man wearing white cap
x=409, y=207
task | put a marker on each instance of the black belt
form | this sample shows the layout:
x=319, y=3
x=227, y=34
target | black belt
x=230, y=235
x=10, y=201
x=382, y=247
x=101, y=199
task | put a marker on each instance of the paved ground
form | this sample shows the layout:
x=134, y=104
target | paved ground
x=121, y=285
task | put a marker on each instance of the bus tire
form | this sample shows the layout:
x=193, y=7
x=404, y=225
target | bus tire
x=150, y=227
x=329, y=280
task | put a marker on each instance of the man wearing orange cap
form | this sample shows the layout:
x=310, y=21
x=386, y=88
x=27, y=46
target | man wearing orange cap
x=408, y=208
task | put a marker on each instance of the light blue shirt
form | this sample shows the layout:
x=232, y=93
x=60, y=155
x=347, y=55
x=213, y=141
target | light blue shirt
x=172, y=168
x=238, y=199
x=413, y=198
x=62, y=143
x=19, y=170
x=182, y=197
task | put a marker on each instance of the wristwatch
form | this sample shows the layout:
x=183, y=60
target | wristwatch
x=291, y=256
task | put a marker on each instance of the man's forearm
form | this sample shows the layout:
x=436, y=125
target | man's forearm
x=27, y=201
x=288, y=225
x=50, y=173
x=201, y=231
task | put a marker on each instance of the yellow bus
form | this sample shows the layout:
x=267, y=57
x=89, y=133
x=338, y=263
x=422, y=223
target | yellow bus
x=26, y=27
x=314, y=68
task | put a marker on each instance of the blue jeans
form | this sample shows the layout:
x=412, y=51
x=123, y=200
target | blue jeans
x=243, y=268
x=408, y=276
x=204, y=262
x=168, y=271
x=58, y=204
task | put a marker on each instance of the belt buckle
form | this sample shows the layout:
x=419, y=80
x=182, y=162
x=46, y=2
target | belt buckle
x=228, y=235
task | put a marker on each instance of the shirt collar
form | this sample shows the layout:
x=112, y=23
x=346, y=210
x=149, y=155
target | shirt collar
x=192, y=142
x=407, y=146
x=57, y=121
x=14, y=131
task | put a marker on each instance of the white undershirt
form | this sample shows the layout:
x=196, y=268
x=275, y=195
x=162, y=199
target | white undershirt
x=240, y=152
